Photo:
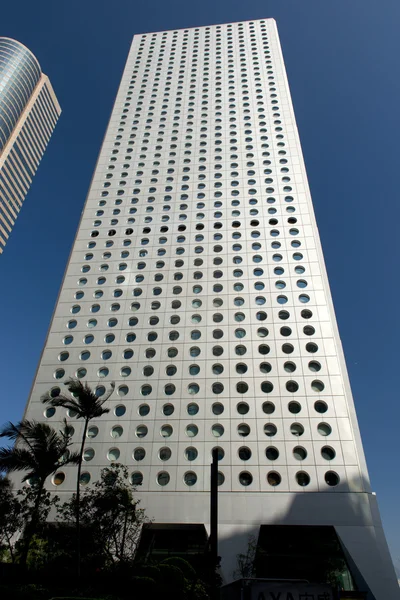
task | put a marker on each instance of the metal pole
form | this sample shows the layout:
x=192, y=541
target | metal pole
x=214, y=517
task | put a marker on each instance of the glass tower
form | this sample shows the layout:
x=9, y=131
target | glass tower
x=197, y=282
x=29, y=111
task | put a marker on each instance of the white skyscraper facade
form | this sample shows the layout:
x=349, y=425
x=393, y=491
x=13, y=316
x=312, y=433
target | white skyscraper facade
x=197, y=283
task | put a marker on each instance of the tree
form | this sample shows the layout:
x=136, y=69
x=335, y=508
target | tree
x=87, y=406
x=246, y=566
x=110, y=515
x=11, y=520
x=40, y=451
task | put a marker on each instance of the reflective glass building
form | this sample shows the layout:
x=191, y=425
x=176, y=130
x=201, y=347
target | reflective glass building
x=197, y=283
x=29, y=111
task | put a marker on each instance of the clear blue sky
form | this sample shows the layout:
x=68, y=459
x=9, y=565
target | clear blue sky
x=342, y=58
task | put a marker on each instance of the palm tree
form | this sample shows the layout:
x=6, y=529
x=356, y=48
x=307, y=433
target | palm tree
x=41, y=451
x=86, y=405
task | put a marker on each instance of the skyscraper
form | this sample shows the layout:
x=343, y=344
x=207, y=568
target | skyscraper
x=197, y=283
x=29, y=111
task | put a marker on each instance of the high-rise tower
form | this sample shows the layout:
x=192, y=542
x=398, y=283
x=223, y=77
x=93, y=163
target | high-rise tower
x=29, y=111
x=197, y=283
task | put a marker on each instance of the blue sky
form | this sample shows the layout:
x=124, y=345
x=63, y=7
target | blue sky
x=342, y=59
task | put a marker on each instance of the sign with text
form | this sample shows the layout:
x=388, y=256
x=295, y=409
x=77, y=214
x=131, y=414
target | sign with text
x=264, y=590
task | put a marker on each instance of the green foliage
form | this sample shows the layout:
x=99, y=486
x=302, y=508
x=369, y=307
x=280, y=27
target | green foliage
x=246, y=562
x=109, y=515
x=11, y=520
x=144, y=587
x=82, y=400
x=182, y=564
x=39, y=450
x=170, y=575
x=23, y=592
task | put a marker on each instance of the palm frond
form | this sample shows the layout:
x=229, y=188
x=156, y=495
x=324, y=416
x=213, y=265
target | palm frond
x=67, y=402
x=16, y=459
x=73, y=458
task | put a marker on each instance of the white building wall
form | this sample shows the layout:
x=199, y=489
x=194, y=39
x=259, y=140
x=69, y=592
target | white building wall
x=203, y=161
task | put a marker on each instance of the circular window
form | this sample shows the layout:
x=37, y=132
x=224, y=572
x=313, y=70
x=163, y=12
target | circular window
x=119, y=410
x=311, y=347
x=193, y=388
x=271, y=453
x=292, y=386
x=321, y=407
x=217, y=388
x=332, y=478
x=242, y=408
x=146, y=390
x=125, y=371
x=164, y=454
x=192, y=430
x=317, y=386
x=264, y=349
x=136, y=478
x=141, y=431
x=163, y=478
x=245, y=478
x=194, y=369
x=113, y=454
x=123, y=390
x=166, y=431
x=274, y=478
x=328, y=453
x=192, y=408
x=191, y=453
x=314, y=366
x=294, y=407
x=270, y=429
x=243, y=430
x=296, y=429
x=285, y=331
x=117, y=431
x=144, y=410
x=244, y=453
x=50, y=412
x=267, y=387
x=84, y=478
x=242, y=387
x=169, y=389
x=59, y=373
x=190, y=478
x=299, y=453
x=88, y=454
x=139, y=454
x=217, y=408
x=240, y=350
x=240, y=333
x=59, y=478
x=324, y=429
x=268, y=408
x=217, y=430
x=302, y=478
x=92, y=431
x=221, y=478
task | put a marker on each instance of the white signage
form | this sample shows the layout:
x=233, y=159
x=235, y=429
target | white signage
x=264, y=590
